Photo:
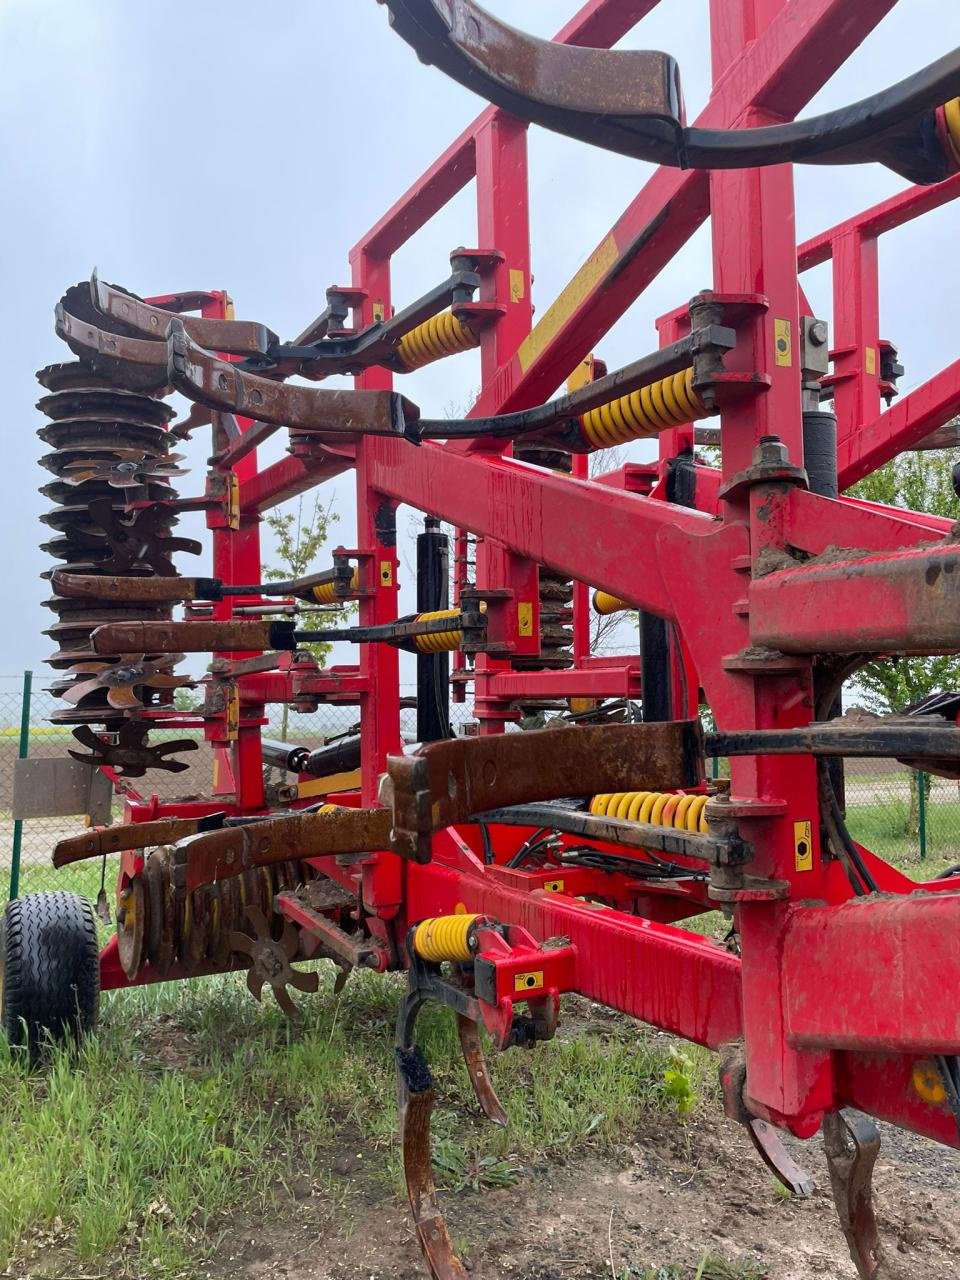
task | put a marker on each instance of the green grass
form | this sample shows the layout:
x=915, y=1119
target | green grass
x=192, y=1103
x=881, y=828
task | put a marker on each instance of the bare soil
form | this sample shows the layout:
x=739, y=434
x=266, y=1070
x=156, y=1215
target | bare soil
x=679, y=1191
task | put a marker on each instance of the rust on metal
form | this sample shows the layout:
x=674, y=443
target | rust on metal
x=176, y=637
x=447, y=782
x=852, y=1144
x=220, y=385
x=133, y=835
x=305, y=908
x=136, y=364
x=218, y=855
x=778, y=1159
x=477, y=1070
x=131, y=922
x=235, y=337
x=416, y=1096
x=128, y=754
x=269, y=961
x=79, y=586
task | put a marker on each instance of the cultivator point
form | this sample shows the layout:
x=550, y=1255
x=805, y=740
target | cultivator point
x=504, y=869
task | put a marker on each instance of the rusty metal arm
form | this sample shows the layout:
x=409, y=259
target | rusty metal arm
x=218, y=855
x=134, y=835
x=231, y=635
x=904, y=602
x=629, y=101
x=219, y=385
x=78, y=586
x=446, y=782
x=235, y=337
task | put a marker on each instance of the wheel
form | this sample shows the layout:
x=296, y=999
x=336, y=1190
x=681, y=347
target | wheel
x=49, y=969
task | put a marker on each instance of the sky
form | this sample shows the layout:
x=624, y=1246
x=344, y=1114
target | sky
x=208, y=144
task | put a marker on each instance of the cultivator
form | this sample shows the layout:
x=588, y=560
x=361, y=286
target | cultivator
x=504, y=869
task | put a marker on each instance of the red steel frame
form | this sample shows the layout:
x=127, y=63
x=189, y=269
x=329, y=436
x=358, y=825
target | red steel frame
x=832, y=1001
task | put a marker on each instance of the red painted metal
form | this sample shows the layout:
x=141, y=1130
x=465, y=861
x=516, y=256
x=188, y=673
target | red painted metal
x=827, y=999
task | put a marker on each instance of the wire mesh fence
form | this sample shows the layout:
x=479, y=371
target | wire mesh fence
x=37, y=737
x=909, y=818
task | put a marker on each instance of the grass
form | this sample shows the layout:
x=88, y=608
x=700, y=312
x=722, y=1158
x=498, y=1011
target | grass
x=881, y=828
x=130, y=1156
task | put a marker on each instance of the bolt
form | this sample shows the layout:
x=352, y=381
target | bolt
x=817, y=333
x=770, y=450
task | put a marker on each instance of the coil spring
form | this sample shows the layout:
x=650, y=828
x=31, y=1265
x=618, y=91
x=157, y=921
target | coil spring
x=442, y=335
x=951, y=120
x=604, y=603
x=326, y=593
x=439, y=641
x=670, y=402
x=662, y=808
x=445, y=938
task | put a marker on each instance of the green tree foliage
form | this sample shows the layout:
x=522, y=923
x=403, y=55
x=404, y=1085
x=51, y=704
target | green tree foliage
x=300, y=535
x=916, y=482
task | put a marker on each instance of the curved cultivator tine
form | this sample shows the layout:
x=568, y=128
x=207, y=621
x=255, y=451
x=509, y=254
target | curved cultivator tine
x=416, y=1098
x=478, y=1072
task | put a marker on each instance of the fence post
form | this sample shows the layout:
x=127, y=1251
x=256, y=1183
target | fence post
x=922, y=812
x=21, y=754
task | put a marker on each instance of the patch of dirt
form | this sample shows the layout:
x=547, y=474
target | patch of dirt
x=677, y=1192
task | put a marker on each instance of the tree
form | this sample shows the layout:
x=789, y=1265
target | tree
x=919, y=482
x=300, y=537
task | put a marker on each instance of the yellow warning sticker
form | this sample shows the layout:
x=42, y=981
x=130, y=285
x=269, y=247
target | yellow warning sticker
x=524, y=618
x=803, y=845
x=871, y=360
x=528, y=981
x=553, y=886
x=518, y=285
x=386, y=573
x=379, y=313
x=783, y=343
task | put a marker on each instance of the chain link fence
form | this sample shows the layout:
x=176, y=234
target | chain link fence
x=30, y=843
x=911, y=819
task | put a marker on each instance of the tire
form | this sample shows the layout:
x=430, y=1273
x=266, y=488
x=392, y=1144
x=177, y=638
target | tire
x=49, y=970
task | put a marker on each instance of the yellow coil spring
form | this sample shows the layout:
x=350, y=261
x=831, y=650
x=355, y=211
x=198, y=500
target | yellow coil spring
x=444, y=938
x=668, y=403
x=439, y=641
x=951, y=116
x=442, y=335
x=662, y=808
x=604, y=602
x=325, y=593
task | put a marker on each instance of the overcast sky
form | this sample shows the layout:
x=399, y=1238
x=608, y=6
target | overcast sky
x=200, y=144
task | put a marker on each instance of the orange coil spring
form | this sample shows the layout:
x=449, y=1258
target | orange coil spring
x=439, y=641
x=325, y=594
x=604, y=602
x=662, y=808
x=951, y=120
x=442, y=335
x=668, y=403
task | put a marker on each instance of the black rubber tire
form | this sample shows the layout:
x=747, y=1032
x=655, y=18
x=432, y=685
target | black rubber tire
x=50, y=970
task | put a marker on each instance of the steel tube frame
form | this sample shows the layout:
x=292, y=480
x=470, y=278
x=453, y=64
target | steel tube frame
x=701, y=569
